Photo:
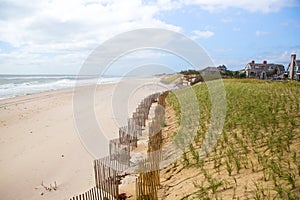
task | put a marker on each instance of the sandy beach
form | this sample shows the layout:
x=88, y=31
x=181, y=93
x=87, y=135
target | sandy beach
x=39, y=143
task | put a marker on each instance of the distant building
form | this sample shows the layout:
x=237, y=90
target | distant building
x=293, y=70
x=222, y=68
x=264, y=70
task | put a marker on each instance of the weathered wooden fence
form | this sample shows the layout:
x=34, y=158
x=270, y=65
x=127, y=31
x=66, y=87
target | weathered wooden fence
x=92, y=194
x=114, y=164
x=119, y=152
x=148, y=180
x=142, y=111
x=128, y=134
x=107, y=180
x=108, y=170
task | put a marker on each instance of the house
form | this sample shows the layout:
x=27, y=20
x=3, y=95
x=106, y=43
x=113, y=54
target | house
x=264, y=70
x=222, y=68
x=293, y=69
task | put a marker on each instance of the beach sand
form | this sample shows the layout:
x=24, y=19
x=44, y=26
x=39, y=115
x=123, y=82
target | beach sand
x=39, y=143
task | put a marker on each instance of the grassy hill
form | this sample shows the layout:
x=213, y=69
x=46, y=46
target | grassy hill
x=256, y=157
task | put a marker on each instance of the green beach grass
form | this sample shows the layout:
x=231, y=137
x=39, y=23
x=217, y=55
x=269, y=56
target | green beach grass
x=261, y=137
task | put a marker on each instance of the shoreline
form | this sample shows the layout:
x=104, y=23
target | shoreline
x=85, y=84
x=49, y=92
x=39, y=143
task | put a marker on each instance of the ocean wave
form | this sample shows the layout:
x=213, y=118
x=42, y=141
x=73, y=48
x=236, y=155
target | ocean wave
x=32, y=77
x=25, y=85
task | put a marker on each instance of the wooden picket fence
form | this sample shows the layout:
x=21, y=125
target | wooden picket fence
x=145, y=186
x=107, y=180
x=108, y=170
x=119, y=152
x=128, y=134
x=92, y=194
x=111, y=163
x=148, y=180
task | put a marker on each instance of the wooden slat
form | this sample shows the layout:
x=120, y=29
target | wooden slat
x=106, y=169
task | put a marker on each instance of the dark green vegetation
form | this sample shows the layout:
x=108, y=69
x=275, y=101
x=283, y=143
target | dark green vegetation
x=190, y=72
x=258, y=154
x=232, y=74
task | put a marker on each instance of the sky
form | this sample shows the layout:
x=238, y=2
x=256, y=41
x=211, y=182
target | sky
x=57, y=36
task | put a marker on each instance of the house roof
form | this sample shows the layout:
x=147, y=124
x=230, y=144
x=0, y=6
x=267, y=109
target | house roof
x=222, y=67
x=261, y=65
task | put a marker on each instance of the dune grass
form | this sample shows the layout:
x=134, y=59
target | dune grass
x=261, y=137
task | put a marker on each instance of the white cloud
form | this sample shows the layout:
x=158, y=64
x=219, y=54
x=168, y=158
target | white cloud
x=264, y=6
x=201, y=34
x=70, y=27
x=56, y=21
x=261, y=33
x=70, y=30
x=168, y=4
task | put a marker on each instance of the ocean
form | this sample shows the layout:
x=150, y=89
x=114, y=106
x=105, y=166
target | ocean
x=18, y=85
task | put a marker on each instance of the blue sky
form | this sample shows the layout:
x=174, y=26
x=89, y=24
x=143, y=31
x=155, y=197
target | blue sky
x=55, y=37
